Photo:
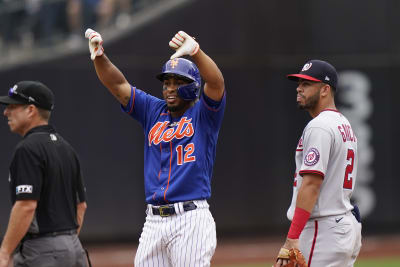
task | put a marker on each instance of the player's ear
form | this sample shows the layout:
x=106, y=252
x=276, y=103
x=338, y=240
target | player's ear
x=32, y=110
x=326, y=89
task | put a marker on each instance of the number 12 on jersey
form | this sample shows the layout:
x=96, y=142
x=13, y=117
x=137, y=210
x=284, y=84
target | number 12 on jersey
x=348, y=180
x=184, y=155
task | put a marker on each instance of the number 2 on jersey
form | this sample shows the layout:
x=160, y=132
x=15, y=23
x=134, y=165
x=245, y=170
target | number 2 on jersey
x=348, y=180
x=184, y=155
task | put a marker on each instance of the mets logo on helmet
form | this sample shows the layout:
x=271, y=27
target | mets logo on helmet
x=174, y=63
x=184, y=128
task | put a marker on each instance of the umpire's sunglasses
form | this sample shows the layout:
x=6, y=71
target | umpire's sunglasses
x=13, y=93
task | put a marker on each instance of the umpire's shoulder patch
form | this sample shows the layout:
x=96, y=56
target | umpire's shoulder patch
x=312, y=157
x=53, y=137
x=24, y=189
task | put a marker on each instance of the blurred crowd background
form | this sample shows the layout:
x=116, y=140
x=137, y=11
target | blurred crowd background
x=25, y=24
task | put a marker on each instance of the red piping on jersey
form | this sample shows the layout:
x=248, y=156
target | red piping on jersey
x=169, y=175
x=133, y=100
x=210, y=108
x=312, y=172
x=159, y=173
x=331, y=109
x=299, y=149
x=313, y=244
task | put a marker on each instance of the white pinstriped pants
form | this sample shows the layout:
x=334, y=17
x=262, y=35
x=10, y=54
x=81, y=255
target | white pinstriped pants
x=186, y=239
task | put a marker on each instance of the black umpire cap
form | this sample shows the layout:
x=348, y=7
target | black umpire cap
x=318, y=71
x=30, y=92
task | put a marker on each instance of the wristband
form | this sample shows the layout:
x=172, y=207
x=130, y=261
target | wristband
x=300, y=219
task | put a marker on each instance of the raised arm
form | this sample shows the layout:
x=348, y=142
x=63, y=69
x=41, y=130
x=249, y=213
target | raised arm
x=113, y=79
x=108, y=73
x=214, y=81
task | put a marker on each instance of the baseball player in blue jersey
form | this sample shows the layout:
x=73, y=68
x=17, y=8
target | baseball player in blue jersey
x=181, y=133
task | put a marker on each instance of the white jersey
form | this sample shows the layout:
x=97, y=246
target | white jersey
x=327, y=147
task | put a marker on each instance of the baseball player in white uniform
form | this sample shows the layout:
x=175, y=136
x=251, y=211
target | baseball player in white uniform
x=325, y=226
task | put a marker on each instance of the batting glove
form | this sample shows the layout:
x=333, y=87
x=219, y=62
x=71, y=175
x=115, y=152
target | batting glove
x=95, y=43
x=184, y=45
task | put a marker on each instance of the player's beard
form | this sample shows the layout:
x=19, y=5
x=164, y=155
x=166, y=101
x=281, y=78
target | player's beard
x=310, y=103
x=180, y=106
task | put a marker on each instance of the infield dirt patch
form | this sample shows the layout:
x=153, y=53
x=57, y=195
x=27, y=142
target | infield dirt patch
x=238, y=251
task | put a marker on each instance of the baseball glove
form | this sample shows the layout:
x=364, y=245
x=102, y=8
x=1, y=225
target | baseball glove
x=294, y=256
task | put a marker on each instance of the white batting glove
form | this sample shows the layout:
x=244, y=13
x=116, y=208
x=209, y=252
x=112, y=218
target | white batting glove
x=184, y=44
x=95, y=43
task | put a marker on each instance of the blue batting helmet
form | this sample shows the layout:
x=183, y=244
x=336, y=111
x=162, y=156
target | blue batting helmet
x=187, y=70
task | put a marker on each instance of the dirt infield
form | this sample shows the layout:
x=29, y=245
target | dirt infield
x=239, y=251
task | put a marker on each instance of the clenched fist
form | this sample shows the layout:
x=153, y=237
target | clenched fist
x=95, y=43
x=184, y=45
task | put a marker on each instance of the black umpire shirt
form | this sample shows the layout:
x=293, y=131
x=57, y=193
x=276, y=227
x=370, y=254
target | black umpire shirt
x=46, y=168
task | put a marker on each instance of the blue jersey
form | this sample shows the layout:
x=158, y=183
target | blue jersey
x=179, y=153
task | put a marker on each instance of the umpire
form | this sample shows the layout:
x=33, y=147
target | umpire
x=47, y=189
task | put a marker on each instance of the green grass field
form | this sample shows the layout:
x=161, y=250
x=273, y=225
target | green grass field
x=389, y=262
